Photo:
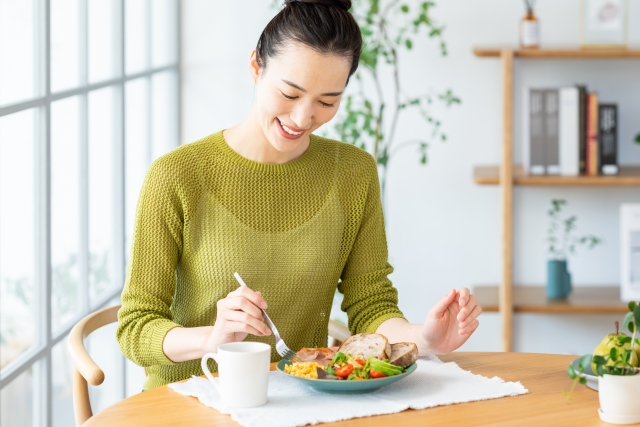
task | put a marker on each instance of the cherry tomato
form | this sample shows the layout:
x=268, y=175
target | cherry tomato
x=376, y=374
x=344, y=370
x=360, y=361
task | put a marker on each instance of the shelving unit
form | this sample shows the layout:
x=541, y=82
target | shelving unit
x=532, y=299
x=505, y=298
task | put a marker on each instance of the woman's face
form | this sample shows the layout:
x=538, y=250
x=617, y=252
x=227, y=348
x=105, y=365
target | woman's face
x=299, y=91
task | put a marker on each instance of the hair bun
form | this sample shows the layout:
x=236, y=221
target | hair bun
x=342, y=4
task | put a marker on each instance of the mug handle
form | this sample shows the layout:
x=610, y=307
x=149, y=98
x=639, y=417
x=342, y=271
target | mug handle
x=206, y=371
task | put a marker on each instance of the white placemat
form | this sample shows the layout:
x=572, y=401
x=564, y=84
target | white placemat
x=291, y=403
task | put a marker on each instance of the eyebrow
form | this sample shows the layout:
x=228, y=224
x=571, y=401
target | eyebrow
x=304, y=90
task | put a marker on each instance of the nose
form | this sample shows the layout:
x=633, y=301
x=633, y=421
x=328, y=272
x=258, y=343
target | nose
x=302, y=115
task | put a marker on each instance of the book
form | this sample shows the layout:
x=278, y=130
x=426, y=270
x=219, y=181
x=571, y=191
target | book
x=533, y=132
x=551, y=131
x=608, y=138
x=592, y=134
x=568, y=133
x=582, y=129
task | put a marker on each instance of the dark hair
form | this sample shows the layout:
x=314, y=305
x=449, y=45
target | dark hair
x=324, y=25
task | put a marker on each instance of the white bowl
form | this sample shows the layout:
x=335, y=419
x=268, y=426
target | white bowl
x=592, y=380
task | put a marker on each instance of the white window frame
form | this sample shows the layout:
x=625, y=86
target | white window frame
x=40, y=355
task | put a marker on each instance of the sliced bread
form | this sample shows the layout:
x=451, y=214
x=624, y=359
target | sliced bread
x=367, y=345
x=403, y=354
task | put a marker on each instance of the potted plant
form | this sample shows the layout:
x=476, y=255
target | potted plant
x=562, y=243
x=619, y=382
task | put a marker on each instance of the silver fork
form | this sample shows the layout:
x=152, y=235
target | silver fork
x=281, y=347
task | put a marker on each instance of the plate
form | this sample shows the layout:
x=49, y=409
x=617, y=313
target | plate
x=592, y=380
x=346, y=387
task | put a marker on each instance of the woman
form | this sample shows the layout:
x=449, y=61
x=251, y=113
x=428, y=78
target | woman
x=295, y=214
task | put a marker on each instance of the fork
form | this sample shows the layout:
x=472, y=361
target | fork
x=281, y=347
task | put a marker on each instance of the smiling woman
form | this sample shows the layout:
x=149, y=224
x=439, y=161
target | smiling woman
x=295, y=214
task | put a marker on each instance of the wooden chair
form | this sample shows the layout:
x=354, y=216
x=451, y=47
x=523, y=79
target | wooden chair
x=86, y=371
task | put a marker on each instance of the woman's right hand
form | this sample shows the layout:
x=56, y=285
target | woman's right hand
x=238, y=316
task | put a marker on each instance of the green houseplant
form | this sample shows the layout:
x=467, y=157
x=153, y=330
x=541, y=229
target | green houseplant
x=562, y=243
x=618, y=372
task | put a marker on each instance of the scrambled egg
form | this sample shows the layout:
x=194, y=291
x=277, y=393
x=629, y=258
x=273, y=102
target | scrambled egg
x=302, y=369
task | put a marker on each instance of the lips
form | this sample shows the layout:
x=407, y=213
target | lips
x=286, y=134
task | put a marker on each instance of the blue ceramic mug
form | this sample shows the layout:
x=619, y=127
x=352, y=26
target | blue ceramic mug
x=558, y=279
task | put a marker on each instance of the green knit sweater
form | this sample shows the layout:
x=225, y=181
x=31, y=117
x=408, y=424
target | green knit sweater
x=293, y=231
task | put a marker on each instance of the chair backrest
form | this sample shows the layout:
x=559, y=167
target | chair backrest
x=85, y=369
x=337, y=333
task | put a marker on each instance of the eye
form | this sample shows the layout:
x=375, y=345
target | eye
x=287, y=96
x=324, y=104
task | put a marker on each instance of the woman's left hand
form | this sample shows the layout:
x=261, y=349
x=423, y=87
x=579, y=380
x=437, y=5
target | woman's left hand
x=451, y=321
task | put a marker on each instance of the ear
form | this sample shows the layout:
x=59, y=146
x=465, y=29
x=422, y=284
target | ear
x=254, y=68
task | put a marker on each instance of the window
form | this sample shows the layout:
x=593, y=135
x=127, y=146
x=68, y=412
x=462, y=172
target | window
x=88, y=99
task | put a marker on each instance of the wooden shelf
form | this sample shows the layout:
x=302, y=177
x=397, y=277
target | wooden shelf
x=560, y=53
x=532, y=299
x=629, y=176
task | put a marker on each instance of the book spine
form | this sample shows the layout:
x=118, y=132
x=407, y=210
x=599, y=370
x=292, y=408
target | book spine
x=536, y=132
x=608, y=138
x=551, y=131
x=582, y=128
x=592, y=134
x=569, y=139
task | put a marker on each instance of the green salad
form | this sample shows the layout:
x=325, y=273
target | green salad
x=346, y=367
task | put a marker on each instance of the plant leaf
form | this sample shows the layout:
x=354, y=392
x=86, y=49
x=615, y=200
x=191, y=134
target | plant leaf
x=585, y=361
x=624, y=340
x=571, y=372
x=637, y=140
x=636, y=314
x=628, y=319
x=613, y=354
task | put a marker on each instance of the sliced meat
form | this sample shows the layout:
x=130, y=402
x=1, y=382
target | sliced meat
x=322, y=356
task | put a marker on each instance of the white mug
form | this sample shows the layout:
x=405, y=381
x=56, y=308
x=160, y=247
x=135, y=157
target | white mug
x=243, y=372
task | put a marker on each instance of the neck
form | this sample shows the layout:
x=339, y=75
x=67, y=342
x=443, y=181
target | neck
x=248, y=139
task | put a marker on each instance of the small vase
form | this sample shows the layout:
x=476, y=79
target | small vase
x=619, y=399
x=558, y=279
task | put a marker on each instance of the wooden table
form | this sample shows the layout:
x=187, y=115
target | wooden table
x=543, y=374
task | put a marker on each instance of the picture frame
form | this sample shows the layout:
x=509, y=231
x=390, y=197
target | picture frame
x=604, y=24
x=630, y=252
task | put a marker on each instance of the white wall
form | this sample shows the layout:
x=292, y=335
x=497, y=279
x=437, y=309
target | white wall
x=443, y=230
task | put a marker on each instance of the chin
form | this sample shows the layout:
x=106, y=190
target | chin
x=284, y=146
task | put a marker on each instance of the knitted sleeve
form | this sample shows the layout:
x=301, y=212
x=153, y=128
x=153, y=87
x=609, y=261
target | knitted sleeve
x=145, y=316
x=369, y=296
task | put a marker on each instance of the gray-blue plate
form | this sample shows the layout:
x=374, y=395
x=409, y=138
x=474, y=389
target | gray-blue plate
x=346, y=387
x=592, y=380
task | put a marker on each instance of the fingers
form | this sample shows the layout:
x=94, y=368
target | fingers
x=468, y=308
x=241, y=304
x=253, y=296
x=441, y=306
x=463, y=296
x=473, y=316
x=467, y=331
x=240, y=312
x=239, y=321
